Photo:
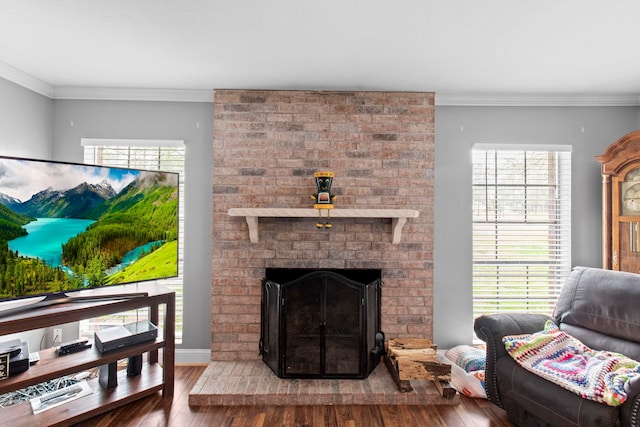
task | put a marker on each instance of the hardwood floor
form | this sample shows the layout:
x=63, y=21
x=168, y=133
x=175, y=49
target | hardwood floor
x=154, y=411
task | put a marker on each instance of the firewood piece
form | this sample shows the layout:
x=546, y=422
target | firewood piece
x=422, y=369
x=412, y=358
x=403, y=385
x=411, y=344
x=445, y=389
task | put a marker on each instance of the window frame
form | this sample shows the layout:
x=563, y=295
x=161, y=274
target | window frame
x=528, y=282
x=91, y=156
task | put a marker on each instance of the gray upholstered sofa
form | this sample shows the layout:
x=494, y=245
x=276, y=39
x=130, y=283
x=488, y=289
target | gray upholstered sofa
x=601, y=308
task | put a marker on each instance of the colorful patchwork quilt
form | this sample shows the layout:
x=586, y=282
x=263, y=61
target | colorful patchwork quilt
x=566, y=361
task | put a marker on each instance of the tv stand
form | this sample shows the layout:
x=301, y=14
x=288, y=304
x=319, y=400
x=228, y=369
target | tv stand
x=63, y=298
x=156, y=375
x=106, y=297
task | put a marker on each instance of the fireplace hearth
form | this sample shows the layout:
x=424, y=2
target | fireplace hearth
x=321, y=323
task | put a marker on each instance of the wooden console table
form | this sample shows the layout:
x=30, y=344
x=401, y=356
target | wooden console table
x=153, y=378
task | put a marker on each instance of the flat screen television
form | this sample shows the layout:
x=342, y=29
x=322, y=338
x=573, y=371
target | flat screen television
x=65, y=227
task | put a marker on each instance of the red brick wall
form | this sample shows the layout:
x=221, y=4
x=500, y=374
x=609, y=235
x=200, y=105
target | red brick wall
x=267, y=145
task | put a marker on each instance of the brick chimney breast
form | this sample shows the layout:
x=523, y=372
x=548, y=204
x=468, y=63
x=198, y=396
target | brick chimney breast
x=266, y=147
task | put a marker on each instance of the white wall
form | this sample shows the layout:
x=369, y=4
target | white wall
x=589, y=130
x=188, y=121
x=25, y=131
x=34, y=126
x=25, y=122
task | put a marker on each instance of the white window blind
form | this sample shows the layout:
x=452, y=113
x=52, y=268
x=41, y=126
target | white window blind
x=163, y=155
x=521, y=227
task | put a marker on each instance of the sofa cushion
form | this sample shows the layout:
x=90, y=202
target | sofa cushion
x=600, y=341
x=597, y=300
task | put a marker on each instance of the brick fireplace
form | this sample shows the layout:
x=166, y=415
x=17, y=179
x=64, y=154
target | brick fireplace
x=267, y=145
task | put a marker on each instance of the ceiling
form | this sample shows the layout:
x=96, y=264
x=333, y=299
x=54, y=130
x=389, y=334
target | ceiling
x=457, y=48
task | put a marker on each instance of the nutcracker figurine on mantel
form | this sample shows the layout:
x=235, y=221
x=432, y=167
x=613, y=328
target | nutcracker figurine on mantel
x=323, y=198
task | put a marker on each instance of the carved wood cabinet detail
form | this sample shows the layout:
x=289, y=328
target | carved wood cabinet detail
x=621, y=204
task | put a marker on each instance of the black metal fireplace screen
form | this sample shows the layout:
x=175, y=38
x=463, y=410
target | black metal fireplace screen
x=321, y=323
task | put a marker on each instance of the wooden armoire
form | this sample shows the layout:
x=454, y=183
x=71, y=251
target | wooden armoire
x=621, y=204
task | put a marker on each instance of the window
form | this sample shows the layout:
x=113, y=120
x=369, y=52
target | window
x=165, y=155
x=521, y=227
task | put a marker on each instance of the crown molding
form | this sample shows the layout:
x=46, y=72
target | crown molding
x=441, y=99
x=537, y=100
x=25, y=80
x=132, y=94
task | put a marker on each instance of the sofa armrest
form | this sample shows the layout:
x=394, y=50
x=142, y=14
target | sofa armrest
x=630, y=409
x=491, y=329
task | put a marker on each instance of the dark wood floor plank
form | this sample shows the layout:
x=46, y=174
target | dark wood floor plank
x=481, y=413
x=154, y=411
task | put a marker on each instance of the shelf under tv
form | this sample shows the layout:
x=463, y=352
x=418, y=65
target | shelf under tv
x=17, y=306
x=128, y=390
x=154, y=377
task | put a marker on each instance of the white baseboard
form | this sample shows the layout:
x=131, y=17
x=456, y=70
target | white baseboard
x=192, y=356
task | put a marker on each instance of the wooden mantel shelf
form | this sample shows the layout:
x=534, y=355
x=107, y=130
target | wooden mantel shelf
x=398, y=217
